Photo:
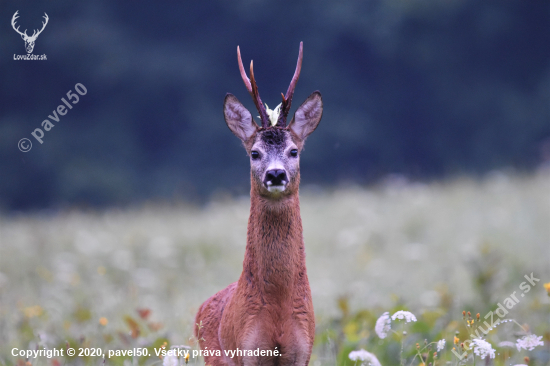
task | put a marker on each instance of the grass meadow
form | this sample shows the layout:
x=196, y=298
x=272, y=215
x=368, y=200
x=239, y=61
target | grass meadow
x=130, y=278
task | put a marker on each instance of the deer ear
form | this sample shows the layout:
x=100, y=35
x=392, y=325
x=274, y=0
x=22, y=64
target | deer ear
x=238, y=118
x=307, y=116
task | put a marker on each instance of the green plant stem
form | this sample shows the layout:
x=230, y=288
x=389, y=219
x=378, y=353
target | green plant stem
x=402, y=343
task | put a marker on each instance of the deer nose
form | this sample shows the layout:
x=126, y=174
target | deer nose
x=275, y=177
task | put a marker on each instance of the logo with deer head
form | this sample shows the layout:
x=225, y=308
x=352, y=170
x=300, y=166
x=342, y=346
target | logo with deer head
x=29, y=40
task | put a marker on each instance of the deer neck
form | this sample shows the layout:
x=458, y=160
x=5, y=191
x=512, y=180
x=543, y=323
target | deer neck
x=275, y=257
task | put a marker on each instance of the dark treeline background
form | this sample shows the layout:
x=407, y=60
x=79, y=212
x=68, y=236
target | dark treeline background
x=426, y=89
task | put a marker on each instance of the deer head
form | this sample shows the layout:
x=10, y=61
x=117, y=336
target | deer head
x=274, y=148
x=29, y=41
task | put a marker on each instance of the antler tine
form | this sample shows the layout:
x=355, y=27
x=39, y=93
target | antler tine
x=290, y=91
x=253, y=89
x=43, y=24
x=13, y=19
x=287, y=99
x=257, y=99
x=243, y=73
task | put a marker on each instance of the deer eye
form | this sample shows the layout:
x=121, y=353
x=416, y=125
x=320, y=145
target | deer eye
x=294, y=152
x=255, y=155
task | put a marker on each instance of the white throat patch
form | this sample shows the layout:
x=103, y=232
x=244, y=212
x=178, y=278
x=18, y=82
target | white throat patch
x=275, y=189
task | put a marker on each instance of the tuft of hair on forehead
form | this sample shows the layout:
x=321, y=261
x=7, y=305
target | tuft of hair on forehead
x=273, y=136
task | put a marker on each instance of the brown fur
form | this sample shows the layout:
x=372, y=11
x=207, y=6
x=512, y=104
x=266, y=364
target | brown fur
x=270, y=306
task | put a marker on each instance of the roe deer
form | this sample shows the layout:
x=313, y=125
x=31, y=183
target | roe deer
x=269, y=308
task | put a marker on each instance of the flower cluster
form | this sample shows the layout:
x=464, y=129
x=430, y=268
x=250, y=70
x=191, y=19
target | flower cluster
x=483, y=348
x=383, y=325
x=529, y=342
x=365, y=357
x=407, y=315
x=440, y=345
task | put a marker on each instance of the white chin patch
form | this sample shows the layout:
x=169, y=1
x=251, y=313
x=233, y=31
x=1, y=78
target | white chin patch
x=275, y=189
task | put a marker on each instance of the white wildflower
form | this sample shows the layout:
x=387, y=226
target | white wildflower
x=440, y=345
x=483, y=348
x=520, y=364
x=170, y=360
x=407, y=315
x=273, y=114
x=507, y=344
x=529, y=342
x=365, y=357
x=383, y=325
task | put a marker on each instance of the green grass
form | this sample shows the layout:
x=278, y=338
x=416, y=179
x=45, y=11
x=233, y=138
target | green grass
x=434, y=249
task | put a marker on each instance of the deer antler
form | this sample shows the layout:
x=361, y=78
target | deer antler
x=24, y=34
x=43, y=26
x=15, y=16
x=253, y=90
x=287, y=99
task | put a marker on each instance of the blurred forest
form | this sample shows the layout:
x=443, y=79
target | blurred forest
x=423, y=89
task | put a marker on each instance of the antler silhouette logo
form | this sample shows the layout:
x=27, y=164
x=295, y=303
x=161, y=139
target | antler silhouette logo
x=29, y=41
